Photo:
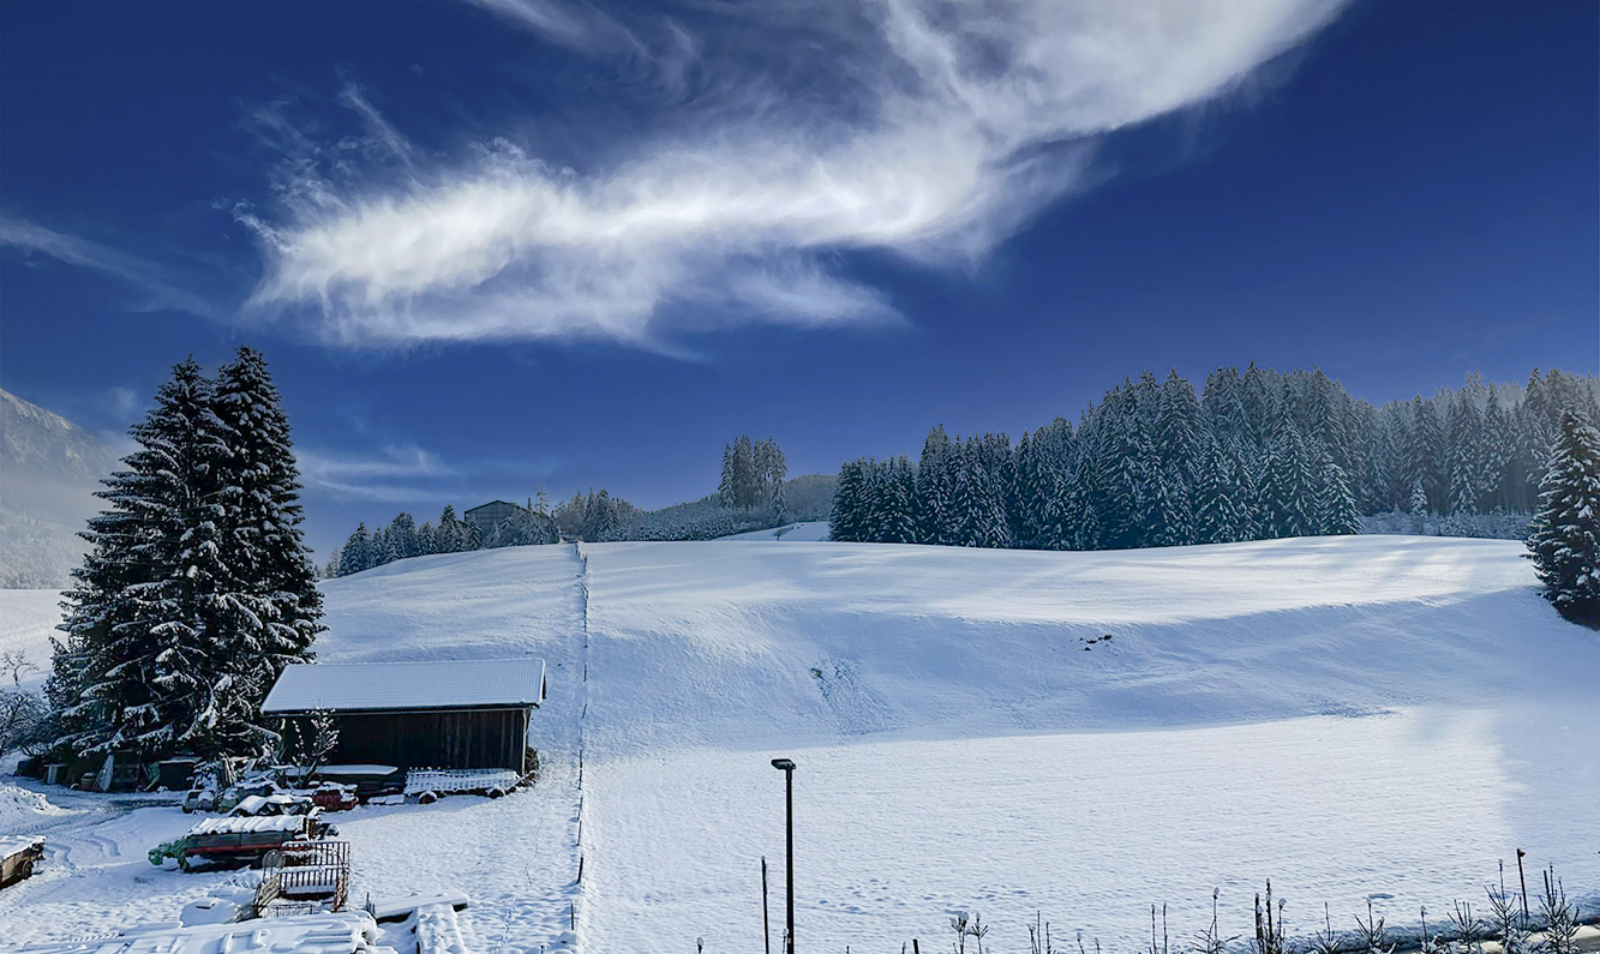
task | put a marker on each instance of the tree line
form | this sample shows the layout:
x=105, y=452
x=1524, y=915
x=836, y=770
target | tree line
x=750, y=496
x=402, y=538
x=752, y=475
x=1257, y=455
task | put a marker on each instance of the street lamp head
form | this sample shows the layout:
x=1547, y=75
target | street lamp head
x=785, y=764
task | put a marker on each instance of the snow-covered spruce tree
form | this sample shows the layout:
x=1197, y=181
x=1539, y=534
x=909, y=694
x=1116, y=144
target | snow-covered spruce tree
x=752, y=475
x=1287, y=490
x=356, y=554
x=846, y=521
x=978, y=501
x=897, y=521
x=427, y=540
x=1171, y=516
x=771, y=468
x=197, y=589
x=935, y=486
x=1498, y=448
x=600, y=516
x=1425, y=453
x=140, y=618
x=1466, y=451
x=276, y=604
x=1335, y=506
x=402, y=536
x=1419, y=505
x=1216, y=514
x=1179, y=427
x=1565, y=543
x=451, y=535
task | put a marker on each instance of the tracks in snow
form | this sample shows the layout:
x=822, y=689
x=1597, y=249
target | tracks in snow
x=583, y=721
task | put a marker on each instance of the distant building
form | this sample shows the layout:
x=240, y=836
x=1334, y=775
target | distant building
x=489, y=515
x=460, y=714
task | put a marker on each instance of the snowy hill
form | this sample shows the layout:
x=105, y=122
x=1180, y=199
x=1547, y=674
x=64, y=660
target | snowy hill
x=807, y=532
x=1080, y=734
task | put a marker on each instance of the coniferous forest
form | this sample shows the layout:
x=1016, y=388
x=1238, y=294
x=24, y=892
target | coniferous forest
x=1254, y=455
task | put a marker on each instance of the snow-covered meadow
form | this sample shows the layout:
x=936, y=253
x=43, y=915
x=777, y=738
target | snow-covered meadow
x=27, y=621
x=1077, y=734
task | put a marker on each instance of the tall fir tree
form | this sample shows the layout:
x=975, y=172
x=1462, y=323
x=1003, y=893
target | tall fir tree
x=978, y=499
x=1492, y=473
x=357, y=552
x=935, y=484
x=897, y=501
x=1426, y=453
x=451, y=534
x=402, y=534
x=848, y=521
x=1565, y=543
x=1216, y=510
x=1334, y=507
x=1465, y=453
x=279, y=607
x=197, y=589
x=128, y=623
x=1288, y=489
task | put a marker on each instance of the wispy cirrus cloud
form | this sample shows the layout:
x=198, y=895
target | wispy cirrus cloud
x=407, y=474
x=400, y=474
x=578, y=26
x=138, y=273
x=929, y=130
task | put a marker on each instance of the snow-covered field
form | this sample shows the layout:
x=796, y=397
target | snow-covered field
x=811, y=532
x=1077, y=734
x=27, y=621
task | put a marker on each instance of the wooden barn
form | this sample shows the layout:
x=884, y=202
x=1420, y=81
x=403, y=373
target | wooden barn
x=462, y=714
x=488, y=516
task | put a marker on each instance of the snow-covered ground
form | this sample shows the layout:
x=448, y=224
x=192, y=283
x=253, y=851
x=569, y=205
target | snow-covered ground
x=1077, y=734
x=810, y=532
x=28, y=619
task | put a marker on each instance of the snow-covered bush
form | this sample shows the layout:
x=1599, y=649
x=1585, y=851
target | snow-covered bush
x=23, y=721
x=1500, y=525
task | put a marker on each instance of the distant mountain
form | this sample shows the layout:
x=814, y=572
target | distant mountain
x=49, y=470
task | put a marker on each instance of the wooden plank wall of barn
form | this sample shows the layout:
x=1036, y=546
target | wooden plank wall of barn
x=494, y=738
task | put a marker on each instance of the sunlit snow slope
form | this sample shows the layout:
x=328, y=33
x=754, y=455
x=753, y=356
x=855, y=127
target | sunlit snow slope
x=1077, y=734
x=779, y=643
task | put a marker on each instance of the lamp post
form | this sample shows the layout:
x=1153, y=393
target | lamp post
x=787, y=767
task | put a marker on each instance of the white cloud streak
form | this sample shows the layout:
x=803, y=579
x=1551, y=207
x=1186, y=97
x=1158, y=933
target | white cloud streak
x=129, y=269
x=962, y=121
x=576, y=26
x=348, y=477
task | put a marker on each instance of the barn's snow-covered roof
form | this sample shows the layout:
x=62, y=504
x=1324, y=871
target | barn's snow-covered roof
x=404, y=686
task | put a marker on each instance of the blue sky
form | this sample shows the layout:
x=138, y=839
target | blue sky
x=495, y=244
